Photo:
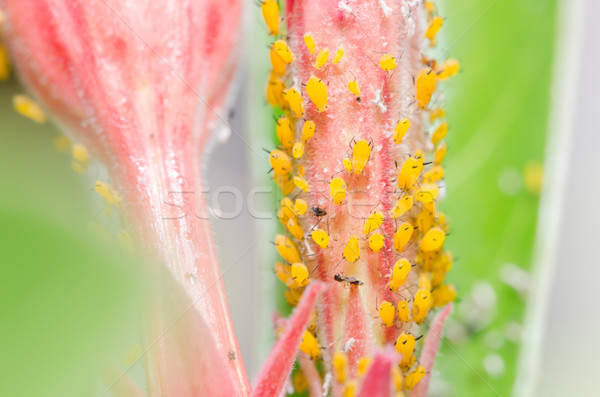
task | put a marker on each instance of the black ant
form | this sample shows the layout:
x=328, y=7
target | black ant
x=347, y=279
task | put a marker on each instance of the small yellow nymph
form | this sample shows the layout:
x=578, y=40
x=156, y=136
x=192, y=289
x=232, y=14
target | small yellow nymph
x=387, y=62
x=402, y=236
x=352, y=250
x=387, y=313
x=317, y=92
x=337, y=190
x=270, y=12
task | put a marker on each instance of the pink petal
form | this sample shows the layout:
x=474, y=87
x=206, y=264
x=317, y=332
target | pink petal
x=183, y=358
x=378, y=381
x=274, y=373
x=312, y=376
x=432, y=344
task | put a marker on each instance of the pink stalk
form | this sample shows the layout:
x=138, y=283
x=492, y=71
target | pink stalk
x=351, y=325
x=377, y=382
x=273, y=376
x=365, y=34
x=432, y=346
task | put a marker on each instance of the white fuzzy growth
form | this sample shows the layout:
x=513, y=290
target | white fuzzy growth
x=349, y=345
x=385, y=8
x=379, y=101
x=344, y=6
x=326, y=383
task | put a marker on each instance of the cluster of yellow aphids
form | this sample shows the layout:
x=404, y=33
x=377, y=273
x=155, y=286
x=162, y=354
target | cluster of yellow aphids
x=409, y=228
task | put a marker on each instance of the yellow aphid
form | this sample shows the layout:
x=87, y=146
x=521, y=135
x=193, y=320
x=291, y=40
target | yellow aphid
x=301, y=183
x=361, y=152
x=376, y=241
x=399, y=274
x=340, y=366
x=300, y=274
x=322, y=57
x=308, y=130
x=430, y=7
x=337, y=190
x=320, y=237
x=281, y=48
x=421, y=305
x=373, y=222
x=280, y=162
x=293, y=295
x=287, y=249
x=352, y=251
x=27, y=107
x=284, y=130
x=270, y=12
x=443, y=295
x=424, y=221
x=424, y=281
x=4, y=64
x=403, y=311
x=295, y=229
x=436, y=173
x=397, y=378
x=317, y=92
x=387, y=313
x=278, y=64
x=433, y=240
x=298, y=150
x=363, y=365
x=99, y=232
x=338, y=56
x=449, y=68
x=347, y=164
x=309, y=345
x=402, y=236
x=350, y=388
x=125, y=242
x=274, y=91
x=439, y=133
x=401, y=129
x=283, y=273
x=131, y=355
x=300, y=207
x=285, y=183
x=61, y=143
x=310, y=42
x=294, y=100
x=405, y=345
x=533, y=177
x=78, y=167
x=425, y=86
x=299, y=382
x=387, y=62
x=402, y=206
x=409, y=172
x=109, y=195
x=440, y=153
x=436, y=113
x=434, y=27
x=80, y=153
x=300, y=169
x=354, y=88
x=415, y=377
x=427, y=193
x=288, y=208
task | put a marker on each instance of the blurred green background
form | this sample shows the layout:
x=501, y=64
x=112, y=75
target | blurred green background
x=67, y=300
x=497, y=110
